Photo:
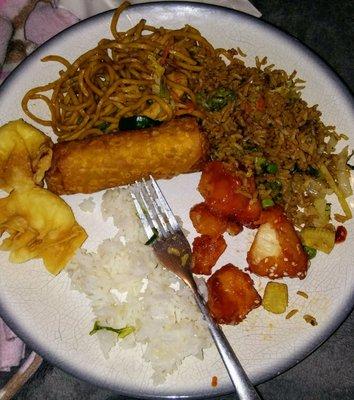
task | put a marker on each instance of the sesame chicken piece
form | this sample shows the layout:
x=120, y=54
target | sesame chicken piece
x=276, y=250
x=231, y=295
x=233, y=227
x=206, y=252
x=205, y=222
x=229, y=194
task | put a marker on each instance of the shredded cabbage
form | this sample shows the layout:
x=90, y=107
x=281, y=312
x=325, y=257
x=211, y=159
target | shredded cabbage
x=343, y=174
x=339, y=193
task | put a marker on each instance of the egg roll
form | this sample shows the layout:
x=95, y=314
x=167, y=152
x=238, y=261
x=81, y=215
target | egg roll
x=109, y=160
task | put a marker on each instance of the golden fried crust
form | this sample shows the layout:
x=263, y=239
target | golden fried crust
x=39, y=225
x=93, y=164
x=25, y=155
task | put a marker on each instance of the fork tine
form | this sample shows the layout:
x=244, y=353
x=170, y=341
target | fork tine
x=153, y=208
x=164, y=205
x=143, y=199
x=143, y=218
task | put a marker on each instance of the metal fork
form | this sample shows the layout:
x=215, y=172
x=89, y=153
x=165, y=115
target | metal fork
x=173, y=250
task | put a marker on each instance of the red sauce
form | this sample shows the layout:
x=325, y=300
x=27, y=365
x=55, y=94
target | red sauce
x=341, y=234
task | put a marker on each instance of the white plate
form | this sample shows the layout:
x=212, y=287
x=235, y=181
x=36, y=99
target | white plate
x=55, y=320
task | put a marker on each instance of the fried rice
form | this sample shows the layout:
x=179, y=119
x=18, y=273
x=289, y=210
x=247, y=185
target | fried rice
x=256, y=120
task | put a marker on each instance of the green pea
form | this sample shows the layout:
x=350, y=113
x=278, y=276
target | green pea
x=272, y=168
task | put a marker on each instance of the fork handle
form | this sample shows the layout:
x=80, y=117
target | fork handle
x=242, y=384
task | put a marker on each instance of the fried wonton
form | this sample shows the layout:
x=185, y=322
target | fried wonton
x=25, y=155
x=40, y=225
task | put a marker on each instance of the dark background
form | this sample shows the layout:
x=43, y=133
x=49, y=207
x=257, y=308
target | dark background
x=327, y=28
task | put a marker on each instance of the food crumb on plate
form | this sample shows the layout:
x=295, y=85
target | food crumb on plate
x=310, y=319
x=291, y=313
x=302, y=294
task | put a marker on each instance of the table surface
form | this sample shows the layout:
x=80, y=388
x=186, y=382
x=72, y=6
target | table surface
x=326, y=27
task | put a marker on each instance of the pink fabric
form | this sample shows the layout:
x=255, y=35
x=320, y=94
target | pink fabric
x=5, y=35
x=37, y=28
x=36, y=21
x=10, y=8
x=12, y=349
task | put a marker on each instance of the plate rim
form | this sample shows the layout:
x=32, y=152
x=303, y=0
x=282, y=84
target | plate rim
x=311, y=345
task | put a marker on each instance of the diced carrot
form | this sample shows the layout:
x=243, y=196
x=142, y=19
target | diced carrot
x=261, y=104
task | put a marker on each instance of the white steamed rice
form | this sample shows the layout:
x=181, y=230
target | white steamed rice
x=126, y=286
x=87, y=205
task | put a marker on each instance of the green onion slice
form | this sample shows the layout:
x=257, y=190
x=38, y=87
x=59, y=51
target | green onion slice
x=121, y=332
x=311, y=252
x=267, y=203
